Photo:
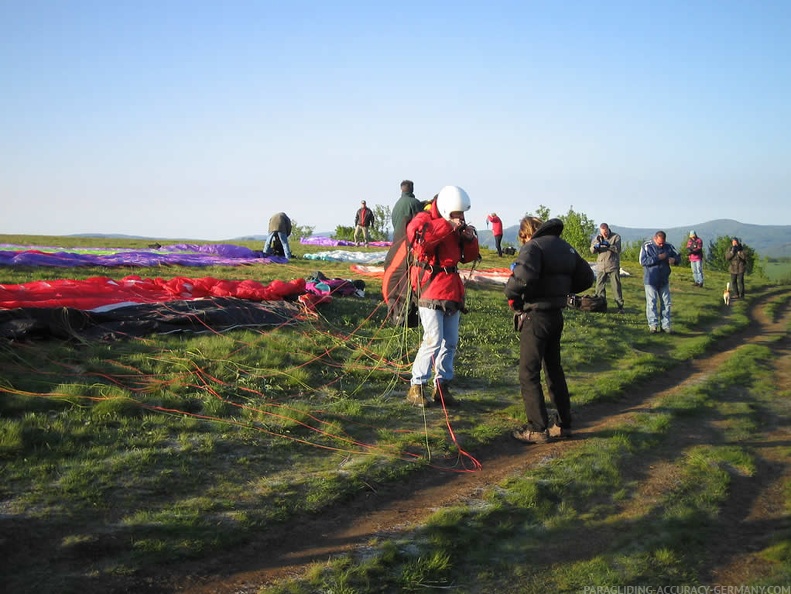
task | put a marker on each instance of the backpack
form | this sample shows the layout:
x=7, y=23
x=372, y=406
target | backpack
x=587, y=303
x=397, y=287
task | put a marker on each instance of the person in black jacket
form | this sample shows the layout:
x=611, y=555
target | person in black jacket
x=363, y=219
x=737, y=265
x=546, y=271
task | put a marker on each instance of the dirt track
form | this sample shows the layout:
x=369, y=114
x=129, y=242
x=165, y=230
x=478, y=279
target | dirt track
x=399, y=507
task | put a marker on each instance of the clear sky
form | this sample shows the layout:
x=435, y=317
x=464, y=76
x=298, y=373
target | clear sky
x=198, y=120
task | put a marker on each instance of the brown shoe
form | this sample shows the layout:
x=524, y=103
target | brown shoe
x=441, y=393
x=415, y=396
x=525, y=435
x=557, y=432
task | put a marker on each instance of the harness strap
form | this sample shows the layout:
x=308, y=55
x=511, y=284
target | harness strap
x=435, y=270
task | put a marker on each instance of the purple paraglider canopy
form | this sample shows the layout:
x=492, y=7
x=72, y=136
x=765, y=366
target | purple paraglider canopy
x=170, y=255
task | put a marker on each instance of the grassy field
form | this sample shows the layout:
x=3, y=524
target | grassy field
x=123, y=457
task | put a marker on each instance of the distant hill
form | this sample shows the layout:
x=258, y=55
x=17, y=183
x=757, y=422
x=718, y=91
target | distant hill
x=768, y=240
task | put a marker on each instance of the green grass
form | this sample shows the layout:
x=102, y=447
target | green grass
x=517, y=541
x=185, y=445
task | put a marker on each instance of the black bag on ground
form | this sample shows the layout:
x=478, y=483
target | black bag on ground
x=587, y=303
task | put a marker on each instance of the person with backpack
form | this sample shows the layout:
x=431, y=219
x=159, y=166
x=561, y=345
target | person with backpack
x=546, y=271
x=440, y=239
x=608, y=264
x=401, y=308
x=363, y=220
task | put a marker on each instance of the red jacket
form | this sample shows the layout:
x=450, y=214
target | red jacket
x=497, y=224
x=437, y=250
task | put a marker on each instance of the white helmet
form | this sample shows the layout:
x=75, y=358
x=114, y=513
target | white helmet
x=452, y=199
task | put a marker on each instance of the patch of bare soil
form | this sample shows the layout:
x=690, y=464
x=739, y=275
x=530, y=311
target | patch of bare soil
x=754, y=509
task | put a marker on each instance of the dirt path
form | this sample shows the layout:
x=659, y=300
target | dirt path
x=397, y=508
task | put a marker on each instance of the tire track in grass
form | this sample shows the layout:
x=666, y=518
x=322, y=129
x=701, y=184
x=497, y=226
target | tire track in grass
x=394, y=508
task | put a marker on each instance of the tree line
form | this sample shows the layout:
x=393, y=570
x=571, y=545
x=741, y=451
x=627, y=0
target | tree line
x=579, y=230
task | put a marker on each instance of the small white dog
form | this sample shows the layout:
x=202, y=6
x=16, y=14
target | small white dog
x=726, y=296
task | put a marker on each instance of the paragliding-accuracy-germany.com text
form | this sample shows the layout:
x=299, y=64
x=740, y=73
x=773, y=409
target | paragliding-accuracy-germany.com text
x=686, y=590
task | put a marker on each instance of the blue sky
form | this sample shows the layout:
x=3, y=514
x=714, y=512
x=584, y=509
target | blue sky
x=198, y=120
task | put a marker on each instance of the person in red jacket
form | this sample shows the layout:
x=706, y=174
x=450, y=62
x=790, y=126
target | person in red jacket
x=440, y=240
x=497, y=231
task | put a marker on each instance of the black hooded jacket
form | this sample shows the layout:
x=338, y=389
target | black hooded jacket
x=547, y=270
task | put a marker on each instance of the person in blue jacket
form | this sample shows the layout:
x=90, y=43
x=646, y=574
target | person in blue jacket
x=656, y=258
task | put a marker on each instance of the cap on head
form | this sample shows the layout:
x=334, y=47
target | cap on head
x=452, y=199
x=693, y=234
x=363, y=202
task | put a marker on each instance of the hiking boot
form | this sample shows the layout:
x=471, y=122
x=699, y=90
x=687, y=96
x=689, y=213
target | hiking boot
x=415, y=396
x=620, y=310
x=557, y=432
x=667, y=330
x=525, y=435
x=653, y=329
x=442, y=393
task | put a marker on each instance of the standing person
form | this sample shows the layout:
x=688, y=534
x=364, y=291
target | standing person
x=440, y=240
x=737, y=267
x=363, y=219
x=656, y=257
x=695, y=251
x=608, y=247
x=280, y=226
x=406, y=207
x=497, y=231
x=546, y=271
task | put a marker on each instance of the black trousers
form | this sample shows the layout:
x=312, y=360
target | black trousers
x=737, y=284
x=498, y=244
x=539, y=348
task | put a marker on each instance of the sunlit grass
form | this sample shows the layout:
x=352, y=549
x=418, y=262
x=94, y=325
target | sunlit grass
x=201, y=442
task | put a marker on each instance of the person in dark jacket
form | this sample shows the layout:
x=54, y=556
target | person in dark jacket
x=656, y=258
x=406, y=207
x=546, y=271
x=608, y=262
x=363, y=219
x=440, y=240
x=280, y=226
x=737, y=266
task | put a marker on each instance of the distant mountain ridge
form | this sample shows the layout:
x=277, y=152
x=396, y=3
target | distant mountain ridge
x=768, y=240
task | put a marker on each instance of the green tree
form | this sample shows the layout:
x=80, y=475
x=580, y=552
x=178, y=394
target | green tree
x=718, y=247
x=630, y=251
x=380, y=230
x=343, y=233
x=578, y=228
x=299, y=231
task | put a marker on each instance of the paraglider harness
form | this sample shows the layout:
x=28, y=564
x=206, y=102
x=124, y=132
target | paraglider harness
x=401, y=298
x=430, y=262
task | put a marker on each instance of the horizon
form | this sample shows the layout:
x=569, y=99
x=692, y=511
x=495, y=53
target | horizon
x=197, y=119
x=328, y=232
